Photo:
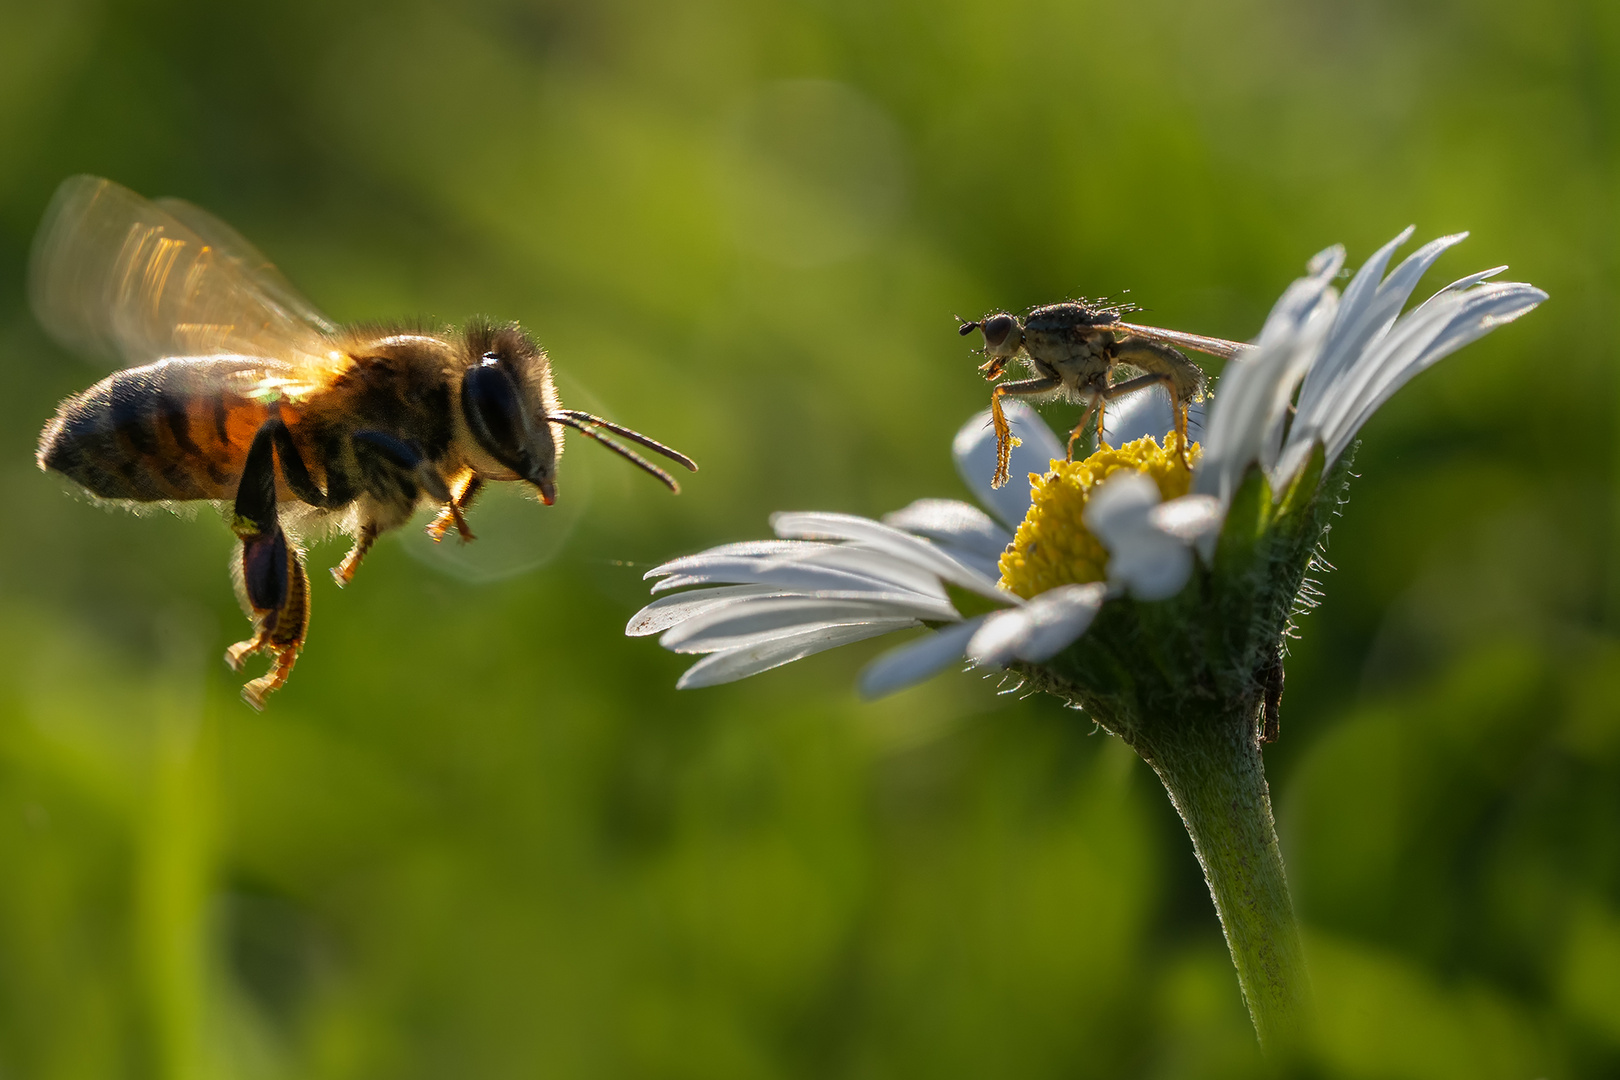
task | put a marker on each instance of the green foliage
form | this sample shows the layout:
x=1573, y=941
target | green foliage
x=480, y=834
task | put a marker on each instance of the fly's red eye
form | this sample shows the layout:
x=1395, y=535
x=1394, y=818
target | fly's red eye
x=997, y=329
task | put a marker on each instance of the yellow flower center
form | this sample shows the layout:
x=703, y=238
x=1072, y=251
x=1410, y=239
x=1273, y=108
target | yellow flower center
x=1053, y=546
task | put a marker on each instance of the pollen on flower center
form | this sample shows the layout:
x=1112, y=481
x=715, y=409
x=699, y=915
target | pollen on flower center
x=1053, y=546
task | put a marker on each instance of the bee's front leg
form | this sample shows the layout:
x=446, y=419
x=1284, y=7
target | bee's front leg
x=270, y=575
x=451, y=514
x=394, y=453
x=1005, y=440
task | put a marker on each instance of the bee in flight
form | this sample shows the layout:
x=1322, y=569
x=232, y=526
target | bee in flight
x=1072, y=348
x=241, y=393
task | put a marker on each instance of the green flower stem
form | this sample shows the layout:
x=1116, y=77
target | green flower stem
x=1213, y=772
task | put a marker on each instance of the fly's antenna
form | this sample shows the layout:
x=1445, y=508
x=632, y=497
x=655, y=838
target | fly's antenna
x=594, y=426
x=967, y=327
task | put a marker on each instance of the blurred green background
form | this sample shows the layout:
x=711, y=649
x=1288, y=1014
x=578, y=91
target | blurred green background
x=481, y=835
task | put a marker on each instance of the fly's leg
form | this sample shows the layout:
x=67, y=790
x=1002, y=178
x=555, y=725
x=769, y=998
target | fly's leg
x=1143, y=382
x=1004, y=436
x=1085, y=418
x=451, y=514
x=1184, y=379
x=272, y=582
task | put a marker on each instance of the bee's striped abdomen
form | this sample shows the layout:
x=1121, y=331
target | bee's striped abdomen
x=173, y=430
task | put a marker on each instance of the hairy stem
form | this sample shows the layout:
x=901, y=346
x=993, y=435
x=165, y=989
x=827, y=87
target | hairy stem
x=1213, y=772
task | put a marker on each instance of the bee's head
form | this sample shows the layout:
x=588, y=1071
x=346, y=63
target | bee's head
x=1003, y=336
x=506, y=397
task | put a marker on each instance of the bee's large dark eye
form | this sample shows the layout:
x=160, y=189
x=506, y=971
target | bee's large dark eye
x=997, y=328
x=490, y=403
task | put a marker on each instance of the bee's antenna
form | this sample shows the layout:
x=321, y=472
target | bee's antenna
x=967, y=327
x=588, y=425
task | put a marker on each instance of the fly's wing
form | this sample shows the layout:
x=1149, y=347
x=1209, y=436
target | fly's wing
x=1226, y=350
x=117, y=276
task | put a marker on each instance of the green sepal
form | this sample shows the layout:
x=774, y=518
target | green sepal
x=969, y=603
x=1297, y=499
x=1247, y=518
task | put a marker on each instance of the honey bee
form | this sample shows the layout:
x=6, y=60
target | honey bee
x=242, y=394
x=1073, y=347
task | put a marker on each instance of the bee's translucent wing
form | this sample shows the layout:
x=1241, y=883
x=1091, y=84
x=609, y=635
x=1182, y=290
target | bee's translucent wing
x=120, y=277
x=1196, y=342
x=252, y=261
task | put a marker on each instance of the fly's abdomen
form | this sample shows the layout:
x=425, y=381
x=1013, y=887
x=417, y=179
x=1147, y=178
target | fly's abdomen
x=173, y=430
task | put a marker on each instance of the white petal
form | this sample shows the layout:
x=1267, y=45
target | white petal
x=753, y=622
x=1357, y=301
x=1294, y=307
x=952, y=524
x=1370, y=306
x=815, y=568
x=1121, y=503
x=1153, y=566
x=1480, y=310
x=996, y=641
x=1151, y=563
x=1360, y=331
x=917, y=660
x=687, y=564
x=890, y=570
x=1408, y=339
x=901, y=545
x=734, y=664
x=666, y=611
x=975, y=452
x=1060, y=616
x=1045, y=626
x=1307, y=347
x=1189, y=518
x=1254, y=389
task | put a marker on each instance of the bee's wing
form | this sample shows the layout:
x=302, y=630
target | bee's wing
x=1196, y=342
x=120, y=277
x=253, y=263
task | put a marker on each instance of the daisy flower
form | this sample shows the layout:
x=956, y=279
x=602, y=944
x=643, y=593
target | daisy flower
x=1151, y=585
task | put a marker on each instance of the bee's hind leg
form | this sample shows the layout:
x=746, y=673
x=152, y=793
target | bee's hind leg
x=280, y=632
x=270, y=575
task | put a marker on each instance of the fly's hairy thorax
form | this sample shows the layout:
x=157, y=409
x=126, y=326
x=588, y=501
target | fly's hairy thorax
x=1067, y=339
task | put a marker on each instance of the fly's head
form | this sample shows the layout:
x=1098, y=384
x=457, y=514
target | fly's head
x=1003, y=338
